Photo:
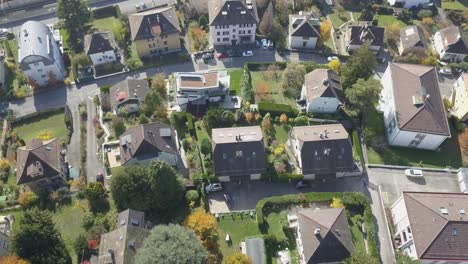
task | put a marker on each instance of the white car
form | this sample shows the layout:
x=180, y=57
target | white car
x=247, y=53
x=414, y=173
x=213, y=187
x=445, y=71
x=3, y=31
x=332, y=58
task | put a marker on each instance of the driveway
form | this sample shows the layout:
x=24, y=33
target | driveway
x=246, y=195
x=394, y=181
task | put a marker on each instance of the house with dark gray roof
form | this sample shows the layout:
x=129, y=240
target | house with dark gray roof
x=128, y=95
x=238, y=153
x=304, y=30
x=148, y=142
x=357, y=36
x=323, y=235
x=432, y=227
x=39, y=56
x=322, y=152
x=41, y=164
x=121, y=245
x=322, y=92
x=411, y=39
x=232, y=22
x=414, y=112
x=101, y=47
x=155, y=32
x=451, y=44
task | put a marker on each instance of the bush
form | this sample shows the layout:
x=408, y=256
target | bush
x=105, y=88
x=276, y=109
x=28, y=199
x=457, y=124
x=192, y=196
x=258, y=66
x=107, y=11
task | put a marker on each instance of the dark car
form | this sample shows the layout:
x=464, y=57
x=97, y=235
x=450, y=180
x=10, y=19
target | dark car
x=221, y=55
x=207, y=57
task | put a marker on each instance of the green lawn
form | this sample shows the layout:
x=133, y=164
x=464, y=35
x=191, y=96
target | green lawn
x=337, y=20
x=281, y=132
x=449, y=154
x=457, y=4
x=201, y=133
x=65, y=37
x=238, y=228
x=236, y=75
x=54, y=122
x=388, y=20
x=356, y=235
x=106, y=24
x=274, y=93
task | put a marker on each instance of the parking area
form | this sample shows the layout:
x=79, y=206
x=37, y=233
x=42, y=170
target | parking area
x=394, y=181
x=245, y=196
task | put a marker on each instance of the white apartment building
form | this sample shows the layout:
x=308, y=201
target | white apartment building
x=460, y=97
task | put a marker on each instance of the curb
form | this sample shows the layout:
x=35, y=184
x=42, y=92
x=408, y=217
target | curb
x=386, y=221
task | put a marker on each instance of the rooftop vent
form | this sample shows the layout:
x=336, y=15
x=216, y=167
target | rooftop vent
x=249, y=2
x=325, y=81
x=48, y=148
x=122, y=222
x=165, y=132
x=337, y=131
x=417, y=100
x=249, y=7
x=135, y=222
x=454, y=232
x=242, y=12
x=224, y=13
x=444, y=211
x=461, y=211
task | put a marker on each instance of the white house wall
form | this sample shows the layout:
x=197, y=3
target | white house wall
x=40, y=72
x=232, y=32
x=403, y=138
x=103, y=57
x=323, y=105
x=296, y=42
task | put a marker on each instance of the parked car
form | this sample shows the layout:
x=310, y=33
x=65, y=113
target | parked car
x=414, y=173
x=207, y=57
x=3, y=31
x=213, y=187
x=221, y=55
x=445, y=70
x=247, y=53
x=332, y=58
x=301, y=184
x=264, y=43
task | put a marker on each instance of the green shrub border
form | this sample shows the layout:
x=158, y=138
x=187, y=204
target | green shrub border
x=277, y=109
x=291, y=199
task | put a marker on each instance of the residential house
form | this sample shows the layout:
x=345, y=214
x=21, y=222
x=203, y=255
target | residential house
x=322, y=152
x=358, y=35
x=148, y=142
x=414, y=114
x=39, y=56
x=101, y=48
x=432, y=227
x=155, y=32
x=304, y=31
x=6, y=226
x=322, y=91
x=408, y=3
x=128, y=95
x=122, y=244
x=238, y=153
x=460, y=97
x=201, y=87
x=41, y=164
x=451, y=44
x=411, y=40
x=232, y=22
x=322, y=235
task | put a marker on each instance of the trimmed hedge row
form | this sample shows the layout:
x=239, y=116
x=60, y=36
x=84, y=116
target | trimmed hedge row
x=277, y=109
x=355, y=204
x=107, y=11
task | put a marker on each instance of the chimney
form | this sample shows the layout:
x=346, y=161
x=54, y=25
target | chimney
x=321, y=135
x=427, y=97
x=326, y=133
x=237, y=139
x=240, y=138
x=317, y=231
x=228, y=6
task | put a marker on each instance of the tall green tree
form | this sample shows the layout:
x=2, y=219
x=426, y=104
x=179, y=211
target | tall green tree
x=76, y=17
x=293, y=79
x=359, y=66
x=158, y=84
x=205, y=146
x=154, y=188
x=364, y=94
x=218, y=117
x=37, y=240
x=361, y=258
x=171, y=244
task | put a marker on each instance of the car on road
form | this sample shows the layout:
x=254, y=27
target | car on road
x=332, y=58
x=247, y=53
x=207, y=57
x=213, y=187
x=301, y=184
x=445, y=70
x=414, y=173
x=221, y=55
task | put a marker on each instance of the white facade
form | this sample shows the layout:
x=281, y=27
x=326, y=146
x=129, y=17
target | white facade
x=443, y=54
x=233, y=34
x=403, y=228
x=103, y=57
x=326, y=105
x=296, y=42
x=373, y=48
x=41, y=72
x=396, y=136
x=460, y=97
x=409, y=3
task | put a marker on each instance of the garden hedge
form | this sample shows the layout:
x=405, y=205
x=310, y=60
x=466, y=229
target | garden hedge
x=355, y=204
x=107, y=11
x=277, y=109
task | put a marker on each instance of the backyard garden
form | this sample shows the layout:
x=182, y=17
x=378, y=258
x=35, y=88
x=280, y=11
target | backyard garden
x=51, y=123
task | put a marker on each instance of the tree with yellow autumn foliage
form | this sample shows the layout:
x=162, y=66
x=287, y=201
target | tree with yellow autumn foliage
x=237, y=258
x=283, y=119
x=45, y=135
x=13, y=259
x=336, y=203
x=325, y=30
x=334, y=65
x=204, y=225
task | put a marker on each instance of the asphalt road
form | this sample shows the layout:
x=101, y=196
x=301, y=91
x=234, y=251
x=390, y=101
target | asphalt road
x=93, y=165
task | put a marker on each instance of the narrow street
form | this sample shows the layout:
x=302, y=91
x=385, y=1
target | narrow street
x=93, y=165
x=73, y=152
